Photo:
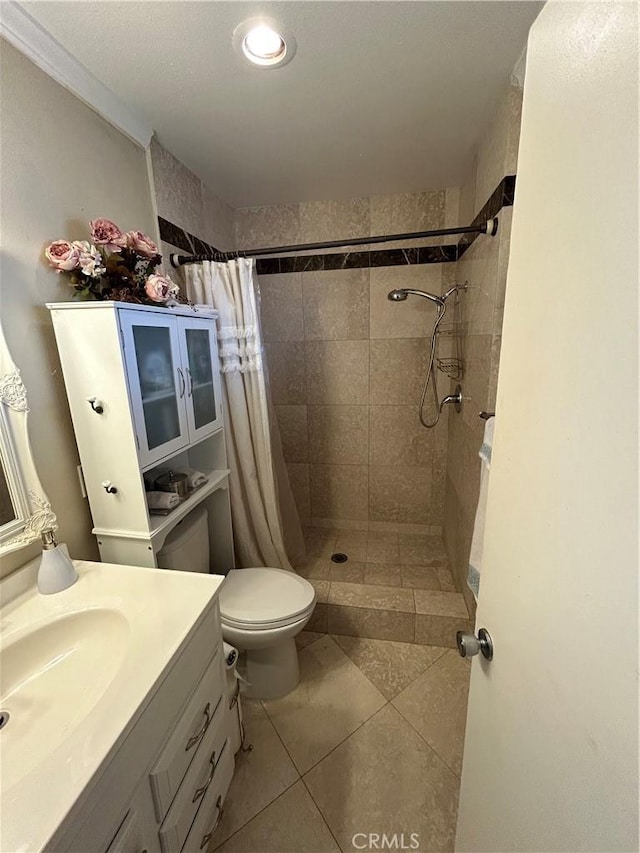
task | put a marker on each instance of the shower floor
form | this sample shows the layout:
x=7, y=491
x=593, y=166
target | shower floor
x=392, y=587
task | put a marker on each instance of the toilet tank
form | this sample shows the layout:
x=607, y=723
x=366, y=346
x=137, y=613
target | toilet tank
x=186, y=548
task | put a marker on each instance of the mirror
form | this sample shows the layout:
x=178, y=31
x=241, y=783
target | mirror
x=24, y=508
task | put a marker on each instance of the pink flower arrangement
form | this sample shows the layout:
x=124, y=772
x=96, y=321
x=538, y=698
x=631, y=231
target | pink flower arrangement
x=114, y=265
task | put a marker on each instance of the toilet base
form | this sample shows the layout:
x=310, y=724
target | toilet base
x=273, y=672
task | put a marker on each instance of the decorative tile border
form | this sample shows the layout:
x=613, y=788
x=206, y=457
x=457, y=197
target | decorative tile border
x=177, y=236
x=502, y=196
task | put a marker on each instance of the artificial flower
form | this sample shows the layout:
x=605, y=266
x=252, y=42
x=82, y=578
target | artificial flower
x=91, y=262
x=63, y=256
x=106, y=233
x=159, y=288
x=141, y=244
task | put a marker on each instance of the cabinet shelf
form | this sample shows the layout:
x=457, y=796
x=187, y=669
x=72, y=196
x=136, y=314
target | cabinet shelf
x=159, y=524
x=156, y=396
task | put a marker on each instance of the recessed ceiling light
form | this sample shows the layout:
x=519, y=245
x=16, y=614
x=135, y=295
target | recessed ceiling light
x=264, y=43
x=264, y=46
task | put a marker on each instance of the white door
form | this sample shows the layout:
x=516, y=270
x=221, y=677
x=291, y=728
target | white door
x=200, y=359
x=157, y=383
x=551, y=754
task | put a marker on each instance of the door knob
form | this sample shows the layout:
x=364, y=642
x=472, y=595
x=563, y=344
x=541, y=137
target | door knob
x=469, y=645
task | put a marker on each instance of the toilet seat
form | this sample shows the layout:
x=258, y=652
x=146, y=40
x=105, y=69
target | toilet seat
x=261, y=599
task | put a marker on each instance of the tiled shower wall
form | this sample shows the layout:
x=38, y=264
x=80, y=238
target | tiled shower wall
x=479, y=318
x=347, y=366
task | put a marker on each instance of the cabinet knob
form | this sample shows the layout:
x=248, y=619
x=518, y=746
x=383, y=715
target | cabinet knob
x=109, y=488
x=96, y=405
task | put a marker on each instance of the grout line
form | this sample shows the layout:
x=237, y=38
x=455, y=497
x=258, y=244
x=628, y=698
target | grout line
x=244, y=825
x=423, y=738
x=321, y=813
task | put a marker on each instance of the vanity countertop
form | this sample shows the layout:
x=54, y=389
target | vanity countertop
x=78, y=669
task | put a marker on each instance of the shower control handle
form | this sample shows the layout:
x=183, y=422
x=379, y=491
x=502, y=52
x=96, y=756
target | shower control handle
x=455, y=398
x=470, y=645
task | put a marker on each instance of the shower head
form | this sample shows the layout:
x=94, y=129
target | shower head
x=401, y=294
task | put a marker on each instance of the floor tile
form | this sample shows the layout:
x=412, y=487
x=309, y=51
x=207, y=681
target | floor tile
x=389, y=665
x=440, y=603
x=436, y=630
x=319, y=542
x=436, y=706
x=305, y=638
x=319, y=621
x=372, y=596
x=366, y=622
x=347, y=572
x=418, y=550
x=353, y=544
x=331, y=701
x=410, y=556
x=447, y=583
x=420, y=577
x=260, y=776
x=383, y=552
x=322, y=590
x=291, y=824
x=383, y=575
x=385, y=779
x=315, y=567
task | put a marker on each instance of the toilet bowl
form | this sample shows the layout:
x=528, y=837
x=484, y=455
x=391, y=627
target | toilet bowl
x=262, y=610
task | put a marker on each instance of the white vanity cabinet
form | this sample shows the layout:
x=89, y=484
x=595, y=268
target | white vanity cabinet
x=163, y=789
x=143, y=385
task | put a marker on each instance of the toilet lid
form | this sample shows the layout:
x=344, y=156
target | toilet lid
x=264, y=596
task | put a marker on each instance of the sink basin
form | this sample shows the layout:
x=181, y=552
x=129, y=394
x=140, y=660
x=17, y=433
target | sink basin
x=50, y=682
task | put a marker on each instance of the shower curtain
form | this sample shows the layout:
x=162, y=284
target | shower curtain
x=266, y=525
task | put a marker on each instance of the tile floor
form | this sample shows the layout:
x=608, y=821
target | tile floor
x=370, y=742
x=393, y=587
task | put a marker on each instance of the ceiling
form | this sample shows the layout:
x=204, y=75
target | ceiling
x=381, y=97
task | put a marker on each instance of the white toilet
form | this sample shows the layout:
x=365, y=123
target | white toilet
x=262, y=609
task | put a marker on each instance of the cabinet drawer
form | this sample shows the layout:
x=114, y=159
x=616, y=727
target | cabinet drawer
x=210, y=811
x=202, y=774
x=205, y=708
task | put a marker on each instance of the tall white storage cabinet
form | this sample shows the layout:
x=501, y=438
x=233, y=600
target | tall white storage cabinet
x=144, y=390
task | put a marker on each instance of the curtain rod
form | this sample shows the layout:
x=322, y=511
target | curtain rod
x=489, y=227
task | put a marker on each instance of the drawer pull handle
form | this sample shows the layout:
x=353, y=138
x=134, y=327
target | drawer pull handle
x=200, y=791
x=207, y=838
x=196, y=738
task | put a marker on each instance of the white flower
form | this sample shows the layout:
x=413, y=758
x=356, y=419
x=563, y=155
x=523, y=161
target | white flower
x=91, y=262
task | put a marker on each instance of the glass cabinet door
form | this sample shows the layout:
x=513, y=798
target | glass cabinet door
x=200, y=358
x=157, y=383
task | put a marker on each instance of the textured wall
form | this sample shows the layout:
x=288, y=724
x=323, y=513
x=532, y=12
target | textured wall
x=347, y=366
x=479, y=320
x=52, y=184
x=183, y=199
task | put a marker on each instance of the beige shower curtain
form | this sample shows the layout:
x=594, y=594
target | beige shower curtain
x=266, y=525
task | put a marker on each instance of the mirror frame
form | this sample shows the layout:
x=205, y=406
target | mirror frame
x=32, y=508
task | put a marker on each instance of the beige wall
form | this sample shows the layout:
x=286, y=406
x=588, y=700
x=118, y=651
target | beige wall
x=479, y=321
x=185, y=201
x=347, y=366
x=61, y=166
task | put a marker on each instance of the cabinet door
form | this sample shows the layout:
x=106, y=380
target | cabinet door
x=200, y=358
x=157, y=383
